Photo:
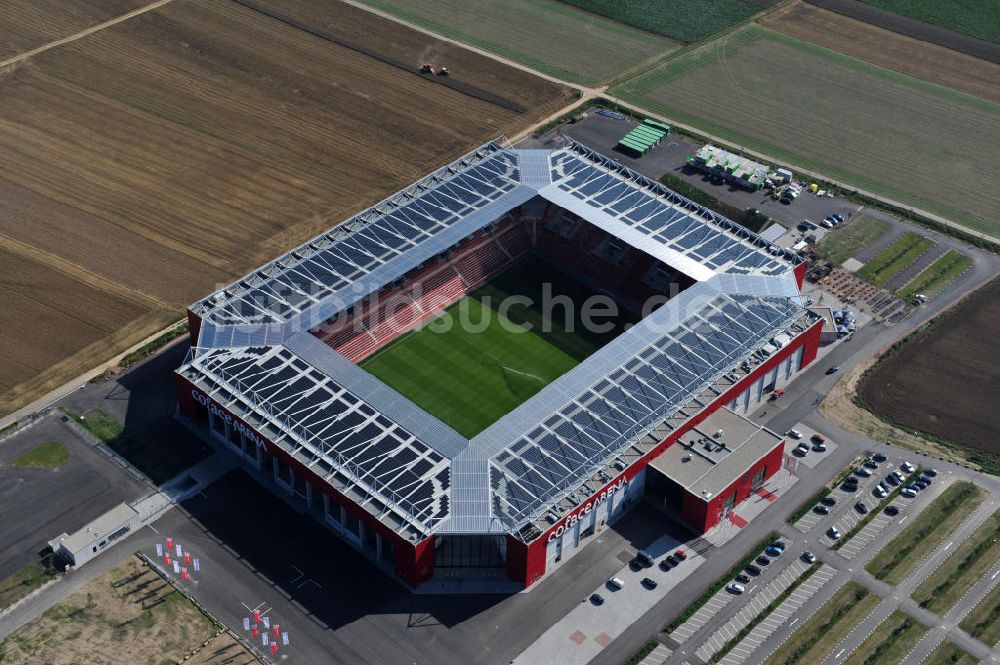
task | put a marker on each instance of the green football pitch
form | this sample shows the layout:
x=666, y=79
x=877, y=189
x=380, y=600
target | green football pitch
x=471, y=375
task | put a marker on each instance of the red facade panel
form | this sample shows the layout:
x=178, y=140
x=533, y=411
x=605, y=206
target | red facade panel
x=194, y=327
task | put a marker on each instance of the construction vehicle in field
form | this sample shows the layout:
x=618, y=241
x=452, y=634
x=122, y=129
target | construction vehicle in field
x=433, y=70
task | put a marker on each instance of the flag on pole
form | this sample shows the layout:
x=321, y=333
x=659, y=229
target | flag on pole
x=254, y=632
x=284, y=638
x=197, y=565
x=256, y=616
x=167, y=559
x=178, y=550
x=177, y=567
x=265, y=639
x=267, y=622
x=246, y=623
x=184, y=574
x=276, y=631
x=274, y=648
x=187, y=558
x=170, y=543
x=159, y=550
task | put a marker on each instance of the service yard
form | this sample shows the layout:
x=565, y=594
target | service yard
x=149, y=161
x=884, y=132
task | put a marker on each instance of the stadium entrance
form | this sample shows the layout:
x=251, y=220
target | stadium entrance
x=470, y=552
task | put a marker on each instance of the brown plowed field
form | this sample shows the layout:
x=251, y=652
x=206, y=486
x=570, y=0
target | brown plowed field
x=182, y=147
x=888, y=49
x=946, y=380
x=911, y=27
x=28, y=24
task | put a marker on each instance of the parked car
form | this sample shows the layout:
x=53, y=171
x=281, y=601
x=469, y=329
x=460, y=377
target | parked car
x=820, y=509
x=879, y=492
x=892, y=480
x=666, y=564
x=795, y=434
x=871, y=464
x=927, y=480
x=680, y=555
x=833, y=369
x=838, y=217
x=802, y=449
x=900, y=477
x=907, y=467
x=861, y=507
x=743, y=578
x=597, y=599
x=819, y=447
x=735, y=588
x=752, y=570
x=763, y=560
x=808, y=557
x=849, y=487
x=863, y=472
x=818, y=438
x=833, y=532
x=826, y=224
x=828, y=501
x=883, y=486
x=891, y=511
x=641, y=560
x=908, y=493
x=773, y=551
x=930, y=473
x=880, y=458
x=616, y=583
x=920, y=485
x=648, y=582
x=913, y=487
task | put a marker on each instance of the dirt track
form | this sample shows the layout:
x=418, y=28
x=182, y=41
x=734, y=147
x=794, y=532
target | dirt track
x=946, y=380
x=888, y=49
x=910, y=27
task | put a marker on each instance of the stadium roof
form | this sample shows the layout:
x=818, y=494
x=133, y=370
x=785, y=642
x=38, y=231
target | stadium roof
x=256, y=357
x=318, y=279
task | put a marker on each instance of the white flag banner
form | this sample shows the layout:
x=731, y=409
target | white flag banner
x=265, y=638
x=246, y=623
x=284, y=638
x=159, y=550
x=267, y=622
x=197, y=565
x=177, y=567
x=178, y=550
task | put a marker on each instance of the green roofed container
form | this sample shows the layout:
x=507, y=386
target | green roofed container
x=642, y=138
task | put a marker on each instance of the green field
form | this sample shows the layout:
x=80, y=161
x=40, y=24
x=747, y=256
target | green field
x=20, y=583
x=841, y=243
x=471, y=375
x=921, y=144
x=898, y=558
x=811, y=642
x=967, y=565
x=895, y=258
x=683, y=20
x=983, y=622
x=970, y=17
x=548, y=36
x=892, y=640
x=49, y=455
x=937, y=275
x=949, y=654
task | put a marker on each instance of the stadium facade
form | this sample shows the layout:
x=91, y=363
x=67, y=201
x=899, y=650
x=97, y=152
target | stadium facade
x=656, y=414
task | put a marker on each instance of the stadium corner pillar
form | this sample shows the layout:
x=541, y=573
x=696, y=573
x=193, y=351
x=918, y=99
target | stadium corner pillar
x=800, y=274
x=413, y=562
x=194, y=327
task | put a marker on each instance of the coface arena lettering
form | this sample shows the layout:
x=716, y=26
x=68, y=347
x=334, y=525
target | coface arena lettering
x=585, y=509
x=233, y=423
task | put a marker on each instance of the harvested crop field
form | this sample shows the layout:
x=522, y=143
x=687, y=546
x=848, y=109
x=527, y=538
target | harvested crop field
x=546, y=35
x=945, y=379
x=919, y=143
x=888, y=49
x=181, y=147
x=684, y=20
x=28, y=24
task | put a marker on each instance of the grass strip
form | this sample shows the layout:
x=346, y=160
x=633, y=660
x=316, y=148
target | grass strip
x=48, y=455
x=841, y=243
x=641, y=654
x=754, y=221
x=949, y=654
x=19, y=584
x=967, y=564
x=722, y=581
x=938, y=520
x=140, y=453
x=873, y=513
x=827, y=627
x=937, y=275
x=983, y=622
x=890, y=642
x=782, y=597
x=894, y=258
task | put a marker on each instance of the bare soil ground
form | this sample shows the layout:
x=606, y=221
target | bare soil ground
x=28, y=24
x=128, y=615
x=945, y=380
x=888, y=49
x=913, y=28
x=182, y=147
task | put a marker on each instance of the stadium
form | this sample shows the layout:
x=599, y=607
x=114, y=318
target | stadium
x=502, y=450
